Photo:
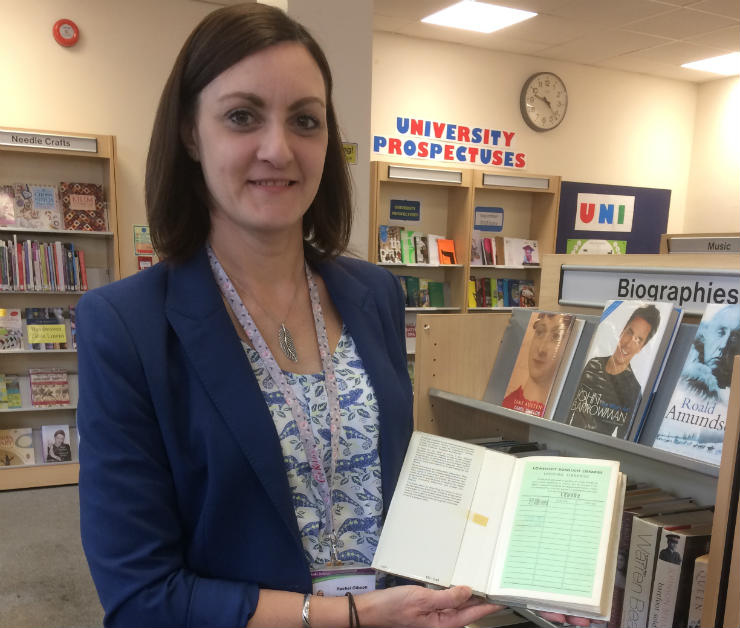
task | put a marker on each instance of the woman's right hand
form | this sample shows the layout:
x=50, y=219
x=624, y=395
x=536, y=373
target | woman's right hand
x=418, y=607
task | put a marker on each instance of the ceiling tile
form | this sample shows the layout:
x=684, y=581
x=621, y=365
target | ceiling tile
x=439, y=33
x=728, y=8
x=634, y=63
x=682, y=23
x=546, y=29
x=409, y=9
x=602, y=44
x=610, y=12
x=387, y=23
x=677, y=53
x=727, y=39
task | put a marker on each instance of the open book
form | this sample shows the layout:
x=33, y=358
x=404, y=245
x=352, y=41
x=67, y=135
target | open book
x=536, y=532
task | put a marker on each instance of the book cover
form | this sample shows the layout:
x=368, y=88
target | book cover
x=537, y=363
x=563, y=369
x=436, y=293
x=55, y=443
x=13, y=390
x=410, y=333
x=83, y=206
x=489, y=251
x=11, y=329
x=49, y=387
x=526, y=293
x=698, y=586
x=421, y=248
x=498, y=251
x=521, y=252
x=622, y=356
x=433, y=249
x=37, y=206
x=694, y=421
x=46, y=328
x=671, y=596
x=7, y=206
x=423, y=292
x=412, y=291
x=641, y=563
x=16, y=447
x=408, y=248
x=476, y=249
x=446, y=250
x=73, y=321
x=389, y=244
x=483, y=512
x=3, y=393
x=472, y=287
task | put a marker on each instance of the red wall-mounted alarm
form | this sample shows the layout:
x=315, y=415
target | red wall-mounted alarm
x=66, y=32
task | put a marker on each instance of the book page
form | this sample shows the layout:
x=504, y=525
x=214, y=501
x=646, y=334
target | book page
x=484, y=521
x=554, y=539
x=423, y=531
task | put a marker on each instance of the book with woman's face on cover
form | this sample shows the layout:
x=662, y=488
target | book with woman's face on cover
x=537, y=364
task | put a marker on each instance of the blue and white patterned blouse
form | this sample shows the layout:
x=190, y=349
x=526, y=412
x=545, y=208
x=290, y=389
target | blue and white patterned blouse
x=356, y=490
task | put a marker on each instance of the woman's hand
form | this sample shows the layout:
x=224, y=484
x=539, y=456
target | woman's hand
x=419, y=607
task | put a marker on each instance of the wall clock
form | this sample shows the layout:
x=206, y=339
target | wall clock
x=543, y=101
x=66, y=32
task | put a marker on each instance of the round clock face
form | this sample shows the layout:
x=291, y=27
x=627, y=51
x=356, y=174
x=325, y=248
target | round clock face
x=543, y=101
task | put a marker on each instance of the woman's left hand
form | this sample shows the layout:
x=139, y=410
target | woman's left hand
x=419, y=607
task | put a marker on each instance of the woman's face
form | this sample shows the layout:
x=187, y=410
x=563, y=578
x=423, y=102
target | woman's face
x=260, y=136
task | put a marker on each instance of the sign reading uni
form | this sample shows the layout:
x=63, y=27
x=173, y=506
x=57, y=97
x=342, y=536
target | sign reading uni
x=51, y=141
x=604, y=212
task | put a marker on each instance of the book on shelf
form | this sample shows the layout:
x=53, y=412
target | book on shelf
x=671, y=596
x=408, y=247
x=46, y=328
x=540, y=355
x=421, y=248
x=521, y=252
x=436, y=293
x=7, y=206
x=489, y=251
x=412, y=291
x=49, y=387
x=446, y=249
x=624, y=357
x=410, y=332
x=483, y=512
x=55, y=443
x=433, y=249
x=3, y=393
x=698, y=586
x=389, y=244
x=16, y=447
x=472, y=288
x=423, y=292
x=73, y=325
x=476, y=248
x=37, y=206
x=13, y=391
x=526, y=293
x=11, y=329
x=83, y=206
x=643, y=555
x=693, y=423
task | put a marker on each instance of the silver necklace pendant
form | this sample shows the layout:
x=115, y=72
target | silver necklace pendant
x=287, y=346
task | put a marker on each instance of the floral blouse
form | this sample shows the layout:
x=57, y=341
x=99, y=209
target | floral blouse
x=356, y=488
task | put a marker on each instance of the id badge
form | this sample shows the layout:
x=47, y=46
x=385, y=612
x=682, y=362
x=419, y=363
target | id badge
x=333, y=580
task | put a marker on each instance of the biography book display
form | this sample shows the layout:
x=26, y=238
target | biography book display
x=506, y=526
x=58, y=238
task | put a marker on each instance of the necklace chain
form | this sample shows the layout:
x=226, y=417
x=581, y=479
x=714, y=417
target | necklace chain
x=284, y=337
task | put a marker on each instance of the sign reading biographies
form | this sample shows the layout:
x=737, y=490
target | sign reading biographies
x=451, y=142
x=693, y=290
x=594, y=212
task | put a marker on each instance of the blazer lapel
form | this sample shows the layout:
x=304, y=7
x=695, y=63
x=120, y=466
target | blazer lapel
x=200, y=320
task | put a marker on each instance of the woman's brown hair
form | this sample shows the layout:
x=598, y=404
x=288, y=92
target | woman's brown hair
x=175, y=191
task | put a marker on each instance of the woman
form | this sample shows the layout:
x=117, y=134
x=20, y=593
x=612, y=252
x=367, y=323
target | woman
x=245, y=406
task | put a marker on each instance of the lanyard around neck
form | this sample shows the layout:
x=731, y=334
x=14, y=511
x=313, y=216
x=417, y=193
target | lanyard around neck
x=322, y=478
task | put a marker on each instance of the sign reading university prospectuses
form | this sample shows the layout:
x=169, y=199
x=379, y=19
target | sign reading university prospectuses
x=592, y=286
x=51, y=141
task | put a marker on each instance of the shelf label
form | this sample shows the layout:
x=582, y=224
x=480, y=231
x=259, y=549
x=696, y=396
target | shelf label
x=47, y=333
x=50, y=141
x=405, y=210
x=715, y=244
x=489, y=218
x=691, y=289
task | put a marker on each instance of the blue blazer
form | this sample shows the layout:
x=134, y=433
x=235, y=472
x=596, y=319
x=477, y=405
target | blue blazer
x=185, y=506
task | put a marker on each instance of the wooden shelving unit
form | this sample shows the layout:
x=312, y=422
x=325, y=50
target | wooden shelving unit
x=40, y=165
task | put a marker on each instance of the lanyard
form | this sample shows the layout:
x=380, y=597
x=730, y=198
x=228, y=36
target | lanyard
x=322, y=478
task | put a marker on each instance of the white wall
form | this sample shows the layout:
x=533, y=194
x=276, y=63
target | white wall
x=109, y=83
x=714, y=185
x=621, y=128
